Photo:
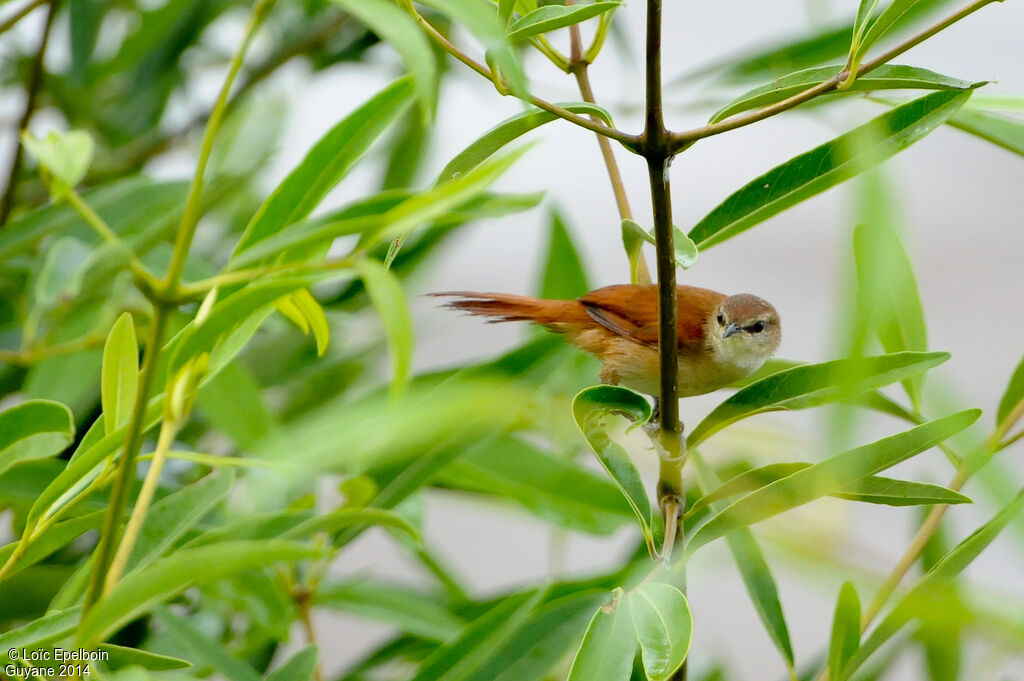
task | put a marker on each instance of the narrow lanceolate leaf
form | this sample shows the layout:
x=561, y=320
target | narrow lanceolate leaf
x=1014, y=395
x=810, y=385
x=664, y=626
x=35, y=429
x=54, y=625
x=509, y=130
x=171, y=517
x=873, y=489
x=211, y=652
x=551, y=17
x=120, y=376
x=555, y=628
x=119, y=657
x=387, y=297
x=301, y=666
x=463, y=656
x=845, y=631
x=824, y=167
x=326, y=163
x=168, y=577
x=830, y=476
x=1002, y=130
x=885, y=77
x=479, y=17
x=398, y=606
x=563, y=277
x=395, y=26
x=756, y=573
x=591, y=409
x=887, y=294
x=307, y=314
x=886, y=22
x=928, y=592
x=388, y=222
x=609, y=645
x=633, y=235
x=226, y=316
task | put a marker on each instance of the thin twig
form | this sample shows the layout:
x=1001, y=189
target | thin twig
x=32, y=86
x=681, y=140
x=627, y=140
x=579, y=64
x=18, y=15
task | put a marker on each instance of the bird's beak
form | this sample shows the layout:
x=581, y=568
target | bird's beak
x=730, y=330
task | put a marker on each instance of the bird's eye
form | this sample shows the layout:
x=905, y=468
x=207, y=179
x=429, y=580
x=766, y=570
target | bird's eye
x=757, y=328
x=721, y=319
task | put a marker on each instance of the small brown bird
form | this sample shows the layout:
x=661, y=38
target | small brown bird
x=721, y=338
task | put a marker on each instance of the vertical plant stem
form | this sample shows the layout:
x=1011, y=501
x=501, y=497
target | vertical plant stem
x=126, y=466
x=168, y=431
x=35, y=81
x=190, y=218
x=306, y=615
x=655, y=147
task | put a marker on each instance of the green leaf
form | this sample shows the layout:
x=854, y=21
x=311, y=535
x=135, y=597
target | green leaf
x=348, y=517
x=210, y=651
x=756, y=573
x=543, y=642
x=300, y=667
x=865, y=12
x=386, y=294
x=49, y=540
x=551, y=17
x=395, y=26
x=119, y=657
x=407, y=610
x=927, y=593
x=52, y=626
x=878, y=490
x=811, y=385
x=35, y=429
x=226, y=316
x=304, y=310
x=886, y=21
x=326, y=164
x=120, y=376
x=166, y=578
x=664, y=627
x=825, y=166
x=845, y=631
x=887, y=292
x=172, y=517
x=395, y=221
x=550, y=486
x=1001, y=130
x=464, y=655
x=633, y=234
x=508, y=130
x=873, y=489
x=1011, y=399
x=609, y=645
x=64, y=156
x=591, y=409
x=563, y=274
x=885, y=77
x=829, y=476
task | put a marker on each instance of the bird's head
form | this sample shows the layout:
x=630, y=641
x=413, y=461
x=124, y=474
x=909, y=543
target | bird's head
x=745, y=330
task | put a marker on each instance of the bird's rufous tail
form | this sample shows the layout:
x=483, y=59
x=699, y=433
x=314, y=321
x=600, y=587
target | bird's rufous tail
x=508, y=307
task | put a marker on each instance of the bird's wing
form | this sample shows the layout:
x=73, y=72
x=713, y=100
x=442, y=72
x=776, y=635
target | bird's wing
x=631, y=311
